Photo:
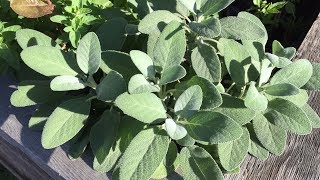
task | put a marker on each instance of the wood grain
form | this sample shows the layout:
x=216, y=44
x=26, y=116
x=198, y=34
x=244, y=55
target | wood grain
x=301, y=159
x=22, y=153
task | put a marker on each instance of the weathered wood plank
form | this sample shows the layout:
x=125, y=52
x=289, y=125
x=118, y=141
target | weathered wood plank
x=301, y=159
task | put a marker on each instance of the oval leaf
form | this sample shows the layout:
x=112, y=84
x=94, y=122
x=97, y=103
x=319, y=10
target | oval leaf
x=29, y=37
x=143, y=62
x=254, y=100
x=172, y=74
x=65, y=122
x=145, y=107
x=209, y=28
x=66, y=83
x=175, y=131
x=284, y=89
x=138, y=84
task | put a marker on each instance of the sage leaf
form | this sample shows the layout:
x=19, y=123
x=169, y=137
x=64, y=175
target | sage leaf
x=284, y=89
x=272, y=137
x=128, y=129
x=299, y=99
x=186, y=141
x=175, y=131
x=235, y=109
x=33, y=92
x=256, y=149
x=189, y=102
x=171, y=46
x=112, y=34
x=212, y=127
x=172, y=74
x=40, y=116
x=289, y=116
x=277, y=61
x=49, y=61
x=254, y=99
x=190, y=5
x=149, y=147
x=240, y=29
x=111, y=87
x=152, y=41
x=143, y=62
x=138, y=84
x=206, y=63
x=198, y=164
x=211, y=96
x=89, y=53
x=298, y=73
x=279, y=50
x=231, y=154
x=214, y=6
x=156, y=21
x=107, y=126
x=65, y=122
x=314, y=81
x=312, y=115
x=66, y=83
x=209, y=28
x=170, y=163
x=29, y=37
x=145, y=107
x=266, y=71
x=78, y=145
x=119, y=62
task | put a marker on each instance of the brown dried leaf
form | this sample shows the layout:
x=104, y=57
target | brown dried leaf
x=32, y=8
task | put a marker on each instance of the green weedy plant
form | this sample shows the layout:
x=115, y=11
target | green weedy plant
x=201, y=96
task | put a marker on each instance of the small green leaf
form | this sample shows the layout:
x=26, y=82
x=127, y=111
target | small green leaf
x=170, y=163
x=156, y=21
x=128, y=129
x=172, y=74
x=211, y=96
x=197, y=163
x=289, y=116
x=314, y=81
x=235, y=109
x=312, y=116
x=171, y=46
x=29, y=37
x=120, y=62
x=284, y=89
x=189, y=102
x=89, y=53
x=212, y=127
x=279, y=50
x=78, y=145
x=175, y=131
x=254, y=100
x=298, y=73
x=209, y=28
x=240, y=29
x=214, y=6
x=65, y=122
x=138, y=84
x=299, y=99
x=256, y=149
x=206, y=63
x=112, y=34
x=277, y=61
x=107, y=126
x=143, y=62
x=266, y=71
x=144, y=154
x=231, y=154
x=272, y=137
x=145, y=107
x=33, y=92
x=111, y=87
x=50, y=61
x=186, y=141
x=66, y=83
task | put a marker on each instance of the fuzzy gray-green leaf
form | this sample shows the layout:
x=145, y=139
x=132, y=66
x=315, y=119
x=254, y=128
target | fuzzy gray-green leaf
x=143, y=62
x=145, y=107
x=138, y=84
x=284, y=89
x=189, y=102
x=312, y=115
x=212, y=127
x=214, y=6
x=206, y=63
x=209, y=28
x=172, y=74
x=65, y=122
x=29, y=37
x=66, y=83
x=254, y=99
x=175, y=131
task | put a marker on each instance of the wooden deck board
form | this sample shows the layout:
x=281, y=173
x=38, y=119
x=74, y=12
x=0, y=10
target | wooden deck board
x=21, y=151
